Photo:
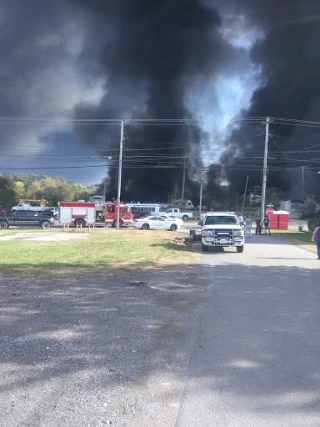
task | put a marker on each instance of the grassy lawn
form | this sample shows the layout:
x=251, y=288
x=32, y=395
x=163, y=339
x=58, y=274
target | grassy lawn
x=296, y=237
x=98, y=249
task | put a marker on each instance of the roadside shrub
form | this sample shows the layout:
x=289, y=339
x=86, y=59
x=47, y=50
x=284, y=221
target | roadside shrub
x=313, y=223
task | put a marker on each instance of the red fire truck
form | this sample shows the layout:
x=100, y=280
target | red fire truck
x=85, y=213
x=126, y=217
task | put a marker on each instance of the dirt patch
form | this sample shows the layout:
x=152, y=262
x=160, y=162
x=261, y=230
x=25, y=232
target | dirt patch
x=46, y=237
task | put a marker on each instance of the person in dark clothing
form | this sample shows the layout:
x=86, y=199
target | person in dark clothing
x=316, y=237
x=258, y=225
x=266, y=224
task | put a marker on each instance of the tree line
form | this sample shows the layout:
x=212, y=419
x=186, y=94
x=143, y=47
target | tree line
x=53, y=189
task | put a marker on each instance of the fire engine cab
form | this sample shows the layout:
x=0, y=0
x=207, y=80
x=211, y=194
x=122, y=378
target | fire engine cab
x=126, y=217
x=86, y=213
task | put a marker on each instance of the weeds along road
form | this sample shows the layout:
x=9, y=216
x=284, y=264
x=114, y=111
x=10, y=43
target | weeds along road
x=231, y=340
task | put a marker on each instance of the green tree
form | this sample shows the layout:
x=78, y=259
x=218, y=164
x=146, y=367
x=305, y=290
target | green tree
x=8, y=195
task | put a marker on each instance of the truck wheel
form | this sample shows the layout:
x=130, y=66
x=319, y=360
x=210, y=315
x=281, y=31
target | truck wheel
x=45, y=225
x=240, y=249
x=205, y=248
x=3, y=225
x=114, y=224
x=145, y=226
x=79, y=222
x=185, y=217
x=173, y=227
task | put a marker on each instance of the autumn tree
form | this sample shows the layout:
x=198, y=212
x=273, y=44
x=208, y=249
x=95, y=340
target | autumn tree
x=53, y=189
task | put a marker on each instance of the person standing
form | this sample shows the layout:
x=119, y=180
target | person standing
x=258, y=225
x=240, y=219
x=316, y=236
x=266, y=224
x=247, y=226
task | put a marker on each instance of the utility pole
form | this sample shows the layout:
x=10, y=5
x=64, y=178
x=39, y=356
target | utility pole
x=254, y=193
x=175, y=194
x=200, y=203
x=265, y=170
x=104, y=188
x=183, y=177
x=105, y=183
x=119, y=175
x=244, y=195
x=302, y=181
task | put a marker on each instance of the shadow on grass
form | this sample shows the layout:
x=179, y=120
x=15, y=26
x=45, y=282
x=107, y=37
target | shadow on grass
x=51, y=267
x=196, y=245
x=252, y=329
x=179, y=245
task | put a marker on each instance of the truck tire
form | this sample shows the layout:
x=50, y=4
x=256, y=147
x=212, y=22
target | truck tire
x=205, y=248
x=80, y=222
x=240, y=249
x=114, y=224
x=145, y=226
x=173, y=227
x=185, y=218
x=45, y=225
x=3, y=225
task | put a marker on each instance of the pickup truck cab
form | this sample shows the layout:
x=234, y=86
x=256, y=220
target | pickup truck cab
x=21, y=206
x=220, y=229
x=25, y=218
x=176, y=213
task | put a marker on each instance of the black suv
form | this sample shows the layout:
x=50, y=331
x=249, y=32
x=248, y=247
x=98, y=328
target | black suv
x=25, y=218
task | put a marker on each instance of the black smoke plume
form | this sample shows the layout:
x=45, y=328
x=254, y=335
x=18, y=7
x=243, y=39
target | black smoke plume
x=152, y=53
x=289, y=59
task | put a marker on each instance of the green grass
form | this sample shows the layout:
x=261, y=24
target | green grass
x=99, y=249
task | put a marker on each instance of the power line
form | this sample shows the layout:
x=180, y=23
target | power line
x=275, y=120
x=22, y=119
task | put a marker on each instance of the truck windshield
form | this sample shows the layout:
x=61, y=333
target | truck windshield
x=223, y=220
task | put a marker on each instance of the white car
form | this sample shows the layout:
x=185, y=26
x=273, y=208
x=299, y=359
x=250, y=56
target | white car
x=171, y=218
x=156, y=223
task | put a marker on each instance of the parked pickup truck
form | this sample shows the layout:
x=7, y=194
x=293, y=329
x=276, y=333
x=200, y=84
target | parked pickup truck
x=221, y=229
x=176, y=213
x=25, y=218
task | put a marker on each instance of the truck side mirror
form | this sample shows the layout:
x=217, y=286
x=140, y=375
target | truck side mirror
x=200, y=223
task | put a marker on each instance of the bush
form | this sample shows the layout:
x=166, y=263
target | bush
x=313, y=223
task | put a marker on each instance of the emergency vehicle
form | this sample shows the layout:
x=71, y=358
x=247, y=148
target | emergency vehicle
x=87, y=213
x=126, y=217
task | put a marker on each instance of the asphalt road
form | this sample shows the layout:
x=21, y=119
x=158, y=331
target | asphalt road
x=230, y=341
